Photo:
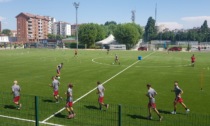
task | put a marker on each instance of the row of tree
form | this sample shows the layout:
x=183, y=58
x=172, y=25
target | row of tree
x=57, y=37
x=128, y=33
x=6, y=32
x=200, y=34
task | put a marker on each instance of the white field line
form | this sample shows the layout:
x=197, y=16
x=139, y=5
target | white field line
x=96, y=88
x=28, y=120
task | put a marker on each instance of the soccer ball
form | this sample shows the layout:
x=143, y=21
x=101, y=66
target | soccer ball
x=59, y=77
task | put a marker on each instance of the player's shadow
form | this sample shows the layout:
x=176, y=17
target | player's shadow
x=137, y=116
x=164, y=111
x=47, y=100
x=59, y=115
x=91, y=107
x=9, y=107
x=168, y=112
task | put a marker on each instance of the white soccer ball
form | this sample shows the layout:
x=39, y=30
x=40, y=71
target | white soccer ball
x=59, y=77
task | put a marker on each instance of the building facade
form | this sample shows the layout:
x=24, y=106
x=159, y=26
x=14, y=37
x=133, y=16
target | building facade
x=31, y=28
x=13, y=33
x=50, y=24
x=0, y=26
x=62, y=28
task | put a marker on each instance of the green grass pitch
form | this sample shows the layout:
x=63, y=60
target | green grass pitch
x=125, y=84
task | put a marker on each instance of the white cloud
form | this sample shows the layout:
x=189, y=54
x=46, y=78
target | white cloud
x=170, y=25
x=197, y=21
x=1, y=1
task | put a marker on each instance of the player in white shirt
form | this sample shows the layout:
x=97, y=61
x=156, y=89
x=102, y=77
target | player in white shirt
x=116, y=59
x=152, y=105
x=69, y=101
x=100, y=92
x=58, y=69
x=55, y=85
x=16, y=93
x=178, y=99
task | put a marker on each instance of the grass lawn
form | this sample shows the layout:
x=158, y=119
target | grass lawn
x=125, y=85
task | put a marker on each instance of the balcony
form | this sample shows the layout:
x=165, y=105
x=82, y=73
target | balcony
x=29, y=24
x=30, y=36
x=30, y=30
x=30, y=19
x=30, y=27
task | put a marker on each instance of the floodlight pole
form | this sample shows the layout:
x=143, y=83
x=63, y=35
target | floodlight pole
x=76, y=5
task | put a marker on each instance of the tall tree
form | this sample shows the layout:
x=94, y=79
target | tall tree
x=204, y=27
x=205, y=31
x=87, y=34
x=150, y=30
x=101, y=34
x=51, y=36
x=127, y=34
x=110, y=27
x=6, y=32
x=110, y=23
x=59, y=37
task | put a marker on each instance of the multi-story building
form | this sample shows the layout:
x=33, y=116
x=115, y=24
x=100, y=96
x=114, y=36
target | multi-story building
x=0, y=26
x=73, y=29
x=62, y=28
x=13, y=33
x=31, y=28
x=50, y=24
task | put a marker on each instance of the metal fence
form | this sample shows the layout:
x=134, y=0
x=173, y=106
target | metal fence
x=44, y=111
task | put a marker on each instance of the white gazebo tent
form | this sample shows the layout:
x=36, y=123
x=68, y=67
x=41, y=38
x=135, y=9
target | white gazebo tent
x=107, y=41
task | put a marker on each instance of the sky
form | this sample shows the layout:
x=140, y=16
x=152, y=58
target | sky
x=174, y=14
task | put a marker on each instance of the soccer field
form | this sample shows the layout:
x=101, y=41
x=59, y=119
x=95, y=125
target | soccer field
x=125, y=84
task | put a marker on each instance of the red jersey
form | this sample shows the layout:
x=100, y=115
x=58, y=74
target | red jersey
x=193, y=58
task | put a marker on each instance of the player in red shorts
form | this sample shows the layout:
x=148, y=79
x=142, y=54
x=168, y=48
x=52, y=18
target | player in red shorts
x=152, y=105
x=58, y=70
x=100, y=91
x=178, y=92
x=69, y=102
x=55, y=85
x=16, y=93
x=193, y=60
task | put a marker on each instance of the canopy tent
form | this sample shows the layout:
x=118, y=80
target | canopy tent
x=109, y=40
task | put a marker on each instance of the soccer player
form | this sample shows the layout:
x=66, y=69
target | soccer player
x=55, y=85
x=100, y=92
x=116, y=60
x=16, y=93
x=59, y=69
x=75, y=52
x=193, y=60
x=107, y=51
x=69, y=101
x=152, y=105
x=178, y=92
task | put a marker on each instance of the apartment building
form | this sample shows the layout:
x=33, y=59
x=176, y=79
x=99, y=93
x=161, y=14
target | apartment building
x=31, y=28
x=0, y=26
x=50, y=24
x=73, y=29
x=13, y=33
x=62, y=28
